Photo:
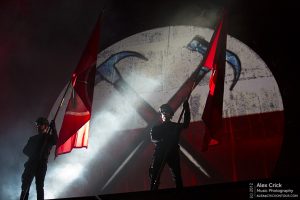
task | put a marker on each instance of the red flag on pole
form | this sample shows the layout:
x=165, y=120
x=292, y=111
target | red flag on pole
x=74, y=131
x=215, y=60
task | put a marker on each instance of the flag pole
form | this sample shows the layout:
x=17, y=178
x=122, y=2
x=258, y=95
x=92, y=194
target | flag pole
x=62, y=101
x=85, y=70
x=66, y=90
x=50, y=128
x=183, y=109
x=63, y=97
x=198, y=75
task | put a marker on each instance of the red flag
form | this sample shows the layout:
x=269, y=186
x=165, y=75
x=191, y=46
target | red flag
x=215, y=60
x=75, y=127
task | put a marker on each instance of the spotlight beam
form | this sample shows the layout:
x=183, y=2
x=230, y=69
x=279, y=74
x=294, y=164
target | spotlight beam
x=194, y=161
x=122, y=165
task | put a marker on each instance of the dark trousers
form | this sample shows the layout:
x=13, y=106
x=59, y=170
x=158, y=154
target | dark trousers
x=33, y=169
x=158, y=162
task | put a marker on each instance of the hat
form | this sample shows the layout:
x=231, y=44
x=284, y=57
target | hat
x=42, y=121
x=165, y=108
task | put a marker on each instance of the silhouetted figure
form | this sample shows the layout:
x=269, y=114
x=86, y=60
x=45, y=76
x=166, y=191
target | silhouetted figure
x=38, y=149
x=165, y=136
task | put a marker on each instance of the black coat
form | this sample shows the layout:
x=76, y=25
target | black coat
x=39, y=146
x=165, y=136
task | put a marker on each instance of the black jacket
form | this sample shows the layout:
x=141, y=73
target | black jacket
x=165, y=136
x=39, y=146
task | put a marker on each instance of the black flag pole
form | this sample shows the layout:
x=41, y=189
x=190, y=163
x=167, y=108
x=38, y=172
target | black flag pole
x=62, y=100
x=188, y=97
x=100, y=17
x=198, y=75
x=56, y=113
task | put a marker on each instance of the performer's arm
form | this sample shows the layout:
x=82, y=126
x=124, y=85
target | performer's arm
x=54, y=136
x=28, y=148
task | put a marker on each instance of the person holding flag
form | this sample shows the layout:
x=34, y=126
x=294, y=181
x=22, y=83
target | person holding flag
x=75, y=128
x=38, y=149
x=165, y=136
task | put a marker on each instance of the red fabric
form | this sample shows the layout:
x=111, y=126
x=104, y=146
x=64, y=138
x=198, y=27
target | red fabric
x=75, y=127
x=215, y=60
x=209, y=60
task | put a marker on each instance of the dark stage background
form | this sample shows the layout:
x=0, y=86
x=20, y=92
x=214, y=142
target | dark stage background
x=41, y=43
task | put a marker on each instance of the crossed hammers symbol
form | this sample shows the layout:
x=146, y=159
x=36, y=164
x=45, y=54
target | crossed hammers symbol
x=107, y=71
